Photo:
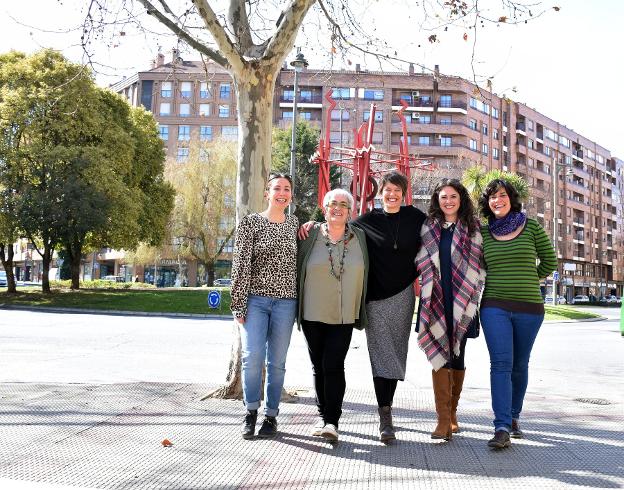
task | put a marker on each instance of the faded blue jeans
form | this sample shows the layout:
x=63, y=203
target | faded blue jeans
x=265, y=337
x=509, y=337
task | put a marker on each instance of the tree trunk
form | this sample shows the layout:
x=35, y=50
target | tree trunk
x=7, y=263
x=74, y=253
x=210, y=273
x=48, y=250
x=233, y=387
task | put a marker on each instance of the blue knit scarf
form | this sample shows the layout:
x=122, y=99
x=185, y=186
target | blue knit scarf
x=508, y=224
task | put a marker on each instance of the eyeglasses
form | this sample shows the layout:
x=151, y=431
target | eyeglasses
x=338, y=204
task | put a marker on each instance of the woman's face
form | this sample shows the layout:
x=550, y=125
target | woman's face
x=499, y=203
x=337, y=211
x=391, y=197
x=279, y=193
x=449, y=201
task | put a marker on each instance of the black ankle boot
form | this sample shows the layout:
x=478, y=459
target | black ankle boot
x=249, y=424
x=268, y=428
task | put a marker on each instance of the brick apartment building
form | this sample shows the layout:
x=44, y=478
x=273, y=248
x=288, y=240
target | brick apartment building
x=450, y=121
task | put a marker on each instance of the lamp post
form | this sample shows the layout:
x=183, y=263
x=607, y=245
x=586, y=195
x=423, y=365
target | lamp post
x=298, y=64
x=555, y=223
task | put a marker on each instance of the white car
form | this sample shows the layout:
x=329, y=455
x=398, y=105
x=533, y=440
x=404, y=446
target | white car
x=560, y=300
x=580, y=298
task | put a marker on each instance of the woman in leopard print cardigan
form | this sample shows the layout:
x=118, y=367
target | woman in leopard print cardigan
x=264, y=300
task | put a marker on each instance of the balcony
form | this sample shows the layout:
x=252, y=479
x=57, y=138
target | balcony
x=521, y=128
x=415, y=104
x=314, y=100
x=577, y=155
x=578, y=222
x=456, y=106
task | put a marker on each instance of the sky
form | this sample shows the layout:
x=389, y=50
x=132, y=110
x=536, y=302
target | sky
x=567, y=65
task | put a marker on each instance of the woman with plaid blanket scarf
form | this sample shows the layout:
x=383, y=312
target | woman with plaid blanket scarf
x=451, y=275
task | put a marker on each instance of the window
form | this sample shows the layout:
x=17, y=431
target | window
x=229, y=133
x=472, y=124
x=424, y=100
x=372, y=94
x=205, y=133
x=183, y=154
x=445, y=101
x=306, y=115
x=484, y=128
x=289, y=95
x=564, y=141
x=224, y=91
x=287, y=114
x=530, y=143
x=165, y=108
x=184, y=133
x=224, y=110
x=165, y=89
x=495, y=134
x=474, y=103
x=423, y=140
x=377, y=138
x=484, y=149
x=494, y=113
x=335, y=115
x=334, y=137
x=305, y=95
x=530, y=124
x=547, y=151
x=185, y=110
x=378, y=116
x=446, y=120
x=495, y=153
x=186, y=89
x=550, y=134
x=205, y=90
x=446, y=141
x=343, y=93
x=424, y=119
x=204, y=109
x=473, y=145
x=163, y=130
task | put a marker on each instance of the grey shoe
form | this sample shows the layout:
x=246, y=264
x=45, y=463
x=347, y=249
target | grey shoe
x=330, y=432
x=386, y=429
x=516, y=433
x=500, y=440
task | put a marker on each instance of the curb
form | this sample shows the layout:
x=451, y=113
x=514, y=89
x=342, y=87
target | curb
x=580, y=320
x=51, y=309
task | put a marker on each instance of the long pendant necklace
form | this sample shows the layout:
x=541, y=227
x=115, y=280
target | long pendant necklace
x=330, y=249
x=395, y=235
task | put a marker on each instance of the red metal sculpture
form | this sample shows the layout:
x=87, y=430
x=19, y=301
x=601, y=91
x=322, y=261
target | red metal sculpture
x=359, y=158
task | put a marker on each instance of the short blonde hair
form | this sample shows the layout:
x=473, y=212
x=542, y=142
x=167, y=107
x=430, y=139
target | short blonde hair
x=334, y=193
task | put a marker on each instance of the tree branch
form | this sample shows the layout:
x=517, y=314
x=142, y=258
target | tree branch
x=184, y=35
x=239, y=22
x=284, y=37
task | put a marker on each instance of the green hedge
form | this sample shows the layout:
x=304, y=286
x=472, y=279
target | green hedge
x=102, y=284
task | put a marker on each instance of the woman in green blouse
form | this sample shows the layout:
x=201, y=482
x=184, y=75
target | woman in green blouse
x=332, y=266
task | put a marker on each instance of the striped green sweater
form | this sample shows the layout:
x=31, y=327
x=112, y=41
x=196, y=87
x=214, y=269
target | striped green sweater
x=511, y=268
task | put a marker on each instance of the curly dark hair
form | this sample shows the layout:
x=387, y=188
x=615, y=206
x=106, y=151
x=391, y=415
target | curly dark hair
x=396, y=178
x=466, y=214
x=491, y=188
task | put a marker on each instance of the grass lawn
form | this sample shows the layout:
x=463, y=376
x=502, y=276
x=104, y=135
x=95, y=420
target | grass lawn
x=151, y=300
x=564, y=312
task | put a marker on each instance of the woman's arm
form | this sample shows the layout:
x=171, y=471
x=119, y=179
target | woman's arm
x=241, y=269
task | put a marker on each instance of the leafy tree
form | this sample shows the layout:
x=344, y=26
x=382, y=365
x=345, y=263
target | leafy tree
x=476, y=180
x=306, y=175
x=203, y=219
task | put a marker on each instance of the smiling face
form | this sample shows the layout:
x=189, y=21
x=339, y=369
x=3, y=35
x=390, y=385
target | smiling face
x=337, y=211
x=499, y=203
x=391, y=198
x=449, y=201
x=278, y=193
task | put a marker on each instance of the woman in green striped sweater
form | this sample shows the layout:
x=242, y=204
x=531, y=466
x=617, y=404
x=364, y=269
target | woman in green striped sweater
x=512, y=308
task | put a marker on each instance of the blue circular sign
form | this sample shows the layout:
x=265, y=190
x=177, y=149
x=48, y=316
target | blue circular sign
x=214, y=299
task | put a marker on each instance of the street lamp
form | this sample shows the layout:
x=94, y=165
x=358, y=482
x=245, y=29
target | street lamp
x=555, y=171
x=299, y=63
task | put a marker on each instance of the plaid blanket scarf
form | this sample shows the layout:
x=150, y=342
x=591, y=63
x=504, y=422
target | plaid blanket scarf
x=467, y=275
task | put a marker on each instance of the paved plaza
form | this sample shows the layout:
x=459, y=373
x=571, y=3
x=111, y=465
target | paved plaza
x=87, y=399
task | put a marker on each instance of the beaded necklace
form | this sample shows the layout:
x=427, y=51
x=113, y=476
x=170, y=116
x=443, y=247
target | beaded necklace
x=330, y=250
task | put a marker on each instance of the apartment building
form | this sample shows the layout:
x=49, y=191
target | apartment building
x=451, y=122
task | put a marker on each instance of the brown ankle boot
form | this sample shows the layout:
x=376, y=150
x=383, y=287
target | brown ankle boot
x=456, y=389
x=442, y=392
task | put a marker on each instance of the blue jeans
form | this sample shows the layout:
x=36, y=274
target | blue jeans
x=265, y=336
x=509, y=337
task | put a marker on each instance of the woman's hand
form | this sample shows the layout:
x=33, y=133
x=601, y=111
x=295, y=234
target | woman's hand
x=239, y=319
x=304, y=230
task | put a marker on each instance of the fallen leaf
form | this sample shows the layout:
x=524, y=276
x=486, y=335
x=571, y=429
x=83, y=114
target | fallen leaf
x=557, y=9
x=465, y=36
x=167, y=443
x=432, y=38
x=502, y=19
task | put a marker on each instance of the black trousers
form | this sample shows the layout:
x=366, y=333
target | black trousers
x=456, y=362
x=328, y=346
x=384, y=390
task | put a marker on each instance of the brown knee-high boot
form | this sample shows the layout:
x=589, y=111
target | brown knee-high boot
x=442, y=380
x=456, y=389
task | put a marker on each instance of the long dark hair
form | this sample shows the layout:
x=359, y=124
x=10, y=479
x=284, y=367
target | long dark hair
x=491, y=188
x=466, y=213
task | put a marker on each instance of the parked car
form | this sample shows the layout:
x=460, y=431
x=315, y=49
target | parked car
x=560, y=300
x=612, y=299
x=224, y=281
x=580, y=298
x=114, y=278
x=3, y=279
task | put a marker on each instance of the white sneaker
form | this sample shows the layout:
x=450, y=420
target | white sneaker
x=317, y=430
x=330, y=432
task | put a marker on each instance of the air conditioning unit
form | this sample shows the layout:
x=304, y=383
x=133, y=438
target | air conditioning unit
x=415, y=94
